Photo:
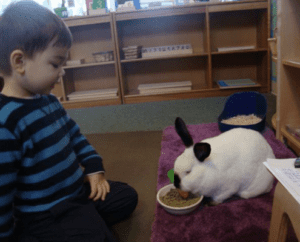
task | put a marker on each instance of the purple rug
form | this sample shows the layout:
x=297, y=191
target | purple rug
x=235, y=220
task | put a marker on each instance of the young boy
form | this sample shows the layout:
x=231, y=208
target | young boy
x=43, y=196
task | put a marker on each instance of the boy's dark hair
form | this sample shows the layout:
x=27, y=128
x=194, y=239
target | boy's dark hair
x=29, y=27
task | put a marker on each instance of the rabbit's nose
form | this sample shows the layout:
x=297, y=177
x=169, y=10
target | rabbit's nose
x=176, y=181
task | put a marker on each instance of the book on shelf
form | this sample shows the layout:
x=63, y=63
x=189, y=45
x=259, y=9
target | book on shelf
x=165, y=87
x=165, y=90
x=75, y=62
x=169, y=50
x=94, y=94
x=235, y=83
x=235, y=48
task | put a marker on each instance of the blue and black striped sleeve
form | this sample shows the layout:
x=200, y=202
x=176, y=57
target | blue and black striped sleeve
x=10, y=153
x=86, y=154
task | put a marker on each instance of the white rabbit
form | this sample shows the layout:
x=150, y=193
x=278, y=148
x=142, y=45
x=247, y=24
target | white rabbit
x=226, y=165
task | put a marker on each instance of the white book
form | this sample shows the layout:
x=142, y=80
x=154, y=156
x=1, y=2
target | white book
x=94, y=92
x=74, y=62
x=81, y=98
x=236, y=48
x=286, y=174
x=168, y=50
x=165, y=85
x=167, y=53
x=165, y=90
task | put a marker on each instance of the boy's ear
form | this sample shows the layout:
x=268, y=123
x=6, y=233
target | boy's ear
x=17, y=60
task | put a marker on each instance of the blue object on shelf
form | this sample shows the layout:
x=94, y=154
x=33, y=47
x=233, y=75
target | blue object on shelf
x=137, y=4
x=244, y=103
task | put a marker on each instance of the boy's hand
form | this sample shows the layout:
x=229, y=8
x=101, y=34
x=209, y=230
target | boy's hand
x=99, y=186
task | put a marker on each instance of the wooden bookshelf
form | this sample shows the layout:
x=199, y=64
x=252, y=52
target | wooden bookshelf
x=288, y=71
x=91, y=34
x=207, y=26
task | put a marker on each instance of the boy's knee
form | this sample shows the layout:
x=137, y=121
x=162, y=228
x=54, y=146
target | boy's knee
x=133, y=198
x=128, y=197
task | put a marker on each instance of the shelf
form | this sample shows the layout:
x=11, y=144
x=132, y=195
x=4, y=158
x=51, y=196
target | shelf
x=288, y=71
x=239, y=51
x=292, y=63
x=164, y=57
x=91, y=103
x=161, y=12
x=241, y=87
x=206, y=26
x=134, y=97
x=238, y=7
x=89, y=65
x=274, y=59
x=293, y=142
x=195, y=8
x=87, y=20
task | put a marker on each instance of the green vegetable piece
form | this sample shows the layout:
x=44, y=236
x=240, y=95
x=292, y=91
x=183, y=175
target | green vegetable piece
x=171, y=175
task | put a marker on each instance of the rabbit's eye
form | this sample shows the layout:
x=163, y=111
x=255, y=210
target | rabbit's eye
x=188, y=172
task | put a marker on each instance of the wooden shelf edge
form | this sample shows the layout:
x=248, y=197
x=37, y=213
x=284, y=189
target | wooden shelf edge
x=87, y=20
x=291, y=140
x=274, y=117
x=237, y=6
x=164, y=58
x=239, y=51
x=90, y=65
x=203, y=93
x=199, y=7
x=91, y=103
x=292, y=63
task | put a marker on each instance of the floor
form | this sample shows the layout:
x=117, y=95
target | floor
x=128, y=138
x=132, y=157
x=153, y=116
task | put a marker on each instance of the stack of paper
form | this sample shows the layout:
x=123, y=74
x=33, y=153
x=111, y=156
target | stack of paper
x=236, y=48
x=286, y=174
x=165, y=87
x=94, y=94
x=131, y=52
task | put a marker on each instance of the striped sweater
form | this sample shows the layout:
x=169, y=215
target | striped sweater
x=41, y=148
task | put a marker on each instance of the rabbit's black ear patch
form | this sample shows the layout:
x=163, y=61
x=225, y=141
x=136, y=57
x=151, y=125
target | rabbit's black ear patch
x=183, y=132
x=202, y=151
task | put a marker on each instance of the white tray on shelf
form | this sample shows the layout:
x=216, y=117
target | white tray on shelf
x=100, y=93
x=166, y=50
x=165, y=85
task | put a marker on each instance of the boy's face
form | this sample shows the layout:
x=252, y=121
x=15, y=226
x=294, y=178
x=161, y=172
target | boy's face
x=43, y=71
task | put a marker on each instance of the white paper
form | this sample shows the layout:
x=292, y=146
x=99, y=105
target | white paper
x=286, y=174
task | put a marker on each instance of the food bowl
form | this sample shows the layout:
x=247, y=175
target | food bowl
x=175, y=210
x=244, y=103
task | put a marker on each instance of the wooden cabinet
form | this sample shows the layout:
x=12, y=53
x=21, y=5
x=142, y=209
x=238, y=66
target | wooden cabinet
x=205, y=26
x=288, y=71
x=92, y=34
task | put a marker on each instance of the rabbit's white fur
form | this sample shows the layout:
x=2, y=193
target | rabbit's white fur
x=234, y=166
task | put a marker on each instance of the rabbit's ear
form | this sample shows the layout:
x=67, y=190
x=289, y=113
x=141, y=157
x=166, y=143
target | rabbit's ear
x=202, y=151
x=183, y=132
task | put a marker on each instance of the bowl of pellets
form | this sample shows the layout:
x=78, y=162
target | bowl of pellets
x=172, y=200
x=244, y=110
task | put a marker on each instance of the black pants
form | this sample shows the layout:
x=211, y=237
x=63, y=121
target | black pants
x=79, y=219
